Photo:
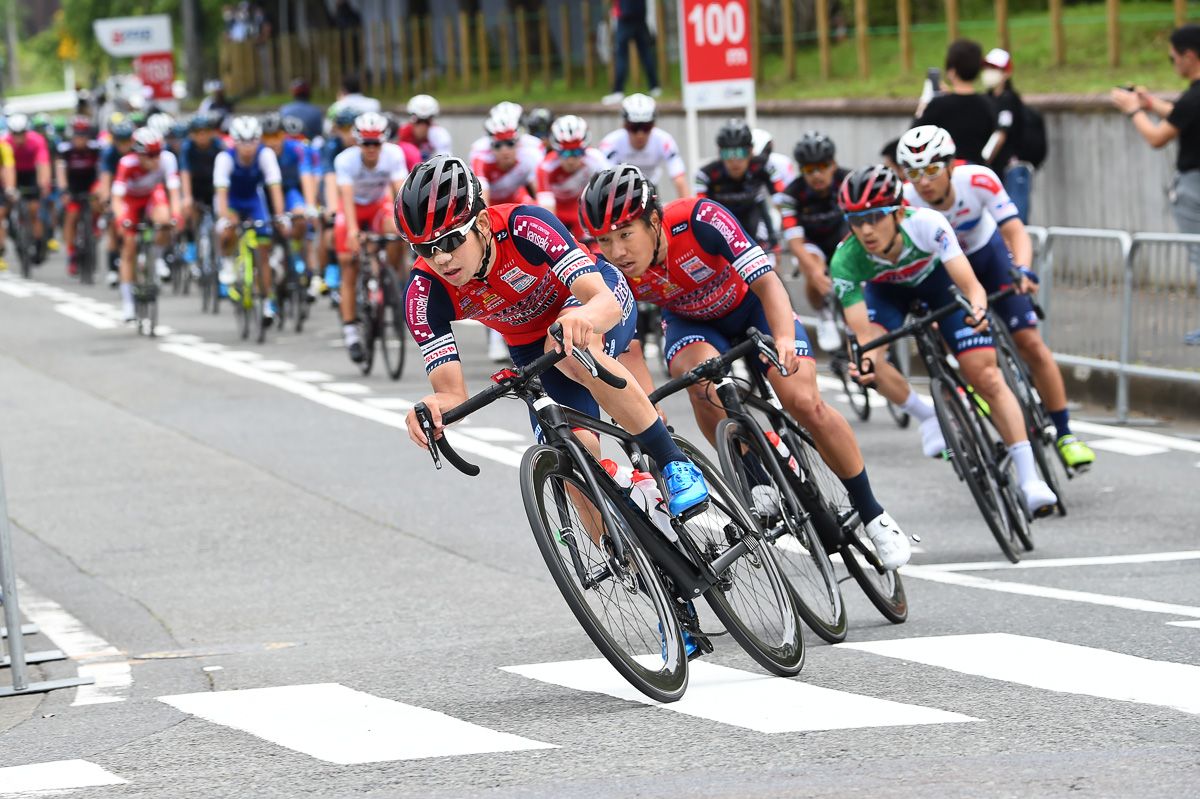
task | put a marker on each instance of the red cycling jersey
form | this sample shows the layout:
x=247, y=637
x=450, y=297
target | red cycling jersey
x=709, y=265
x=535, y=262
x=562, y=188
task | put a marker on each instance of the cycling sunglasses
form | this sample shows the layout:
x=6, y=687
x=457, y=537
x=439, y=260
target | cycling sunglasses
x=639, y=127
x=502, y=143
x=728, y=153
x=931, y=171
x=872, y=217
x=819, y=166
x=371, y=144
x=448, y=243
x=574, y=153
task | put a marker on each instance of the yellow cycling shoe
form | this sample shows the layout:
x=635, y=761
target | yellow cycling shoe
x=52, y=245
x=1075, y=453
x=3, y=264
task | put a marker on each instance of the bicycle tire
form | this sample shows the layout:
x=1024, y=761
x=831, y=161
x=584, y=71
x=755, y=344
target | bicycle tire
x=392, y=328
x=752, y=598
x=899, y=416
x=856, y=393
x=299, y=296
x=799, y=551
x=634, y=644
x=23, y=238
x=828, y=500
x=972, y=463
x=85, y=251
x=1021, y=384
x=365, y=319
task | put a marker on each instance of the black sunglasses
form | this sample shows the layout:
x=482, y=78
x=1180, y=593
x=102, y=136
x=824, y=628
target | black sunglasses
x=639, y=127
x=448, y=243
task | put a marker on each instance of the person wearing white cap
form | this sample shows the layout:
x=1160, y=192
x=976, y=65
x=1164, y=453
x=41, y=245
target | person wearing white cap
x=1007, y=149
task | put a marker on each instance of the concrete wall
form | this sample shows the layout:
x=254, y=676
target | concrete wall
x=1100, y=172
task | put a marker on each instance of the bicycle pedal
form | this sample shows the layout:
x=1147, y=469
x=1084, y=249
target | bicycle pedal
x=1045, y=510
x=695, y=510
x=703, y=646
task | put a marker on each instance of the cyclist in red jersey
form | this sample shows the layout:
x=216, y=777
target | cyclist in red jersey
x=507, y=158
x=713, y=282
x=566, y=170
x=421, y=131
x=516, y=269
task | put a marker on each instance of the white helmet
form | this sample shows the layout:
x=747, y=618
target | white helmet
x=422, y=106
x=639, y=108
x=245, y=129
x=136, y=101
x=370, y=127
x=160, y=124
x=504, y=121
x=924, y=145
x=761, y=142
x=18, y=123
x=570, y=133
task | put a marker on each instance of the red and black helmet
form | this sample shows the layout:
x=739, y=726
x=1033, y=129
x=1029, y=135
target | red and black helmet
x=614, y=198
x=868, y=187
x=439, y=196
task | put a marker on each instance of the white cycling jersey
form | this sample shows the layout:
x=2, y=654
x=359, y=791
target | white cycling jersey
x=980, y=205
x=781, y=169
x=371, y=184
x=660, y=152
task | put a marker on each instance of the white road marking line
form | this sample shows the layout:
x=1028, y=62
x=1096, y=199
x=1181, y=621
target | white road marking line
x=275, y=366
x=182, y=338
x=81, y=314
x=389, y=403
x=1195, y=623
x=348, y=389
x=59, y=775
x=495, y=434
x=740, y=698
x=1056, y=563
x=339, y=725
x=15, y=289
x=310, y=377
x=1125, y=447
x=210, y=346
x=1126, y=603
x=242, y=355
x=113, y=680
x=1143, y=436
x=460, y=442
x=1053, y=666
x=164, y=330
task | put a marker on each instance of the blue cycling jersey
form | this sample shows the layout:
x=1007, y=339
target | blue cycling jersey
x=294, y=161
x=333, y=147
x=109, y=159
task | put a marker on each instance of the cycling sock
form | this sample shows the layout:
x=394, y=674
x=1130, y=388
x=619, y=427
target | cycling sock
x=658, y=444
x=350, y=333
x=127, y=293
x=916, y=407
x=862, y=496
x=1062, y=422
x=1022, y=455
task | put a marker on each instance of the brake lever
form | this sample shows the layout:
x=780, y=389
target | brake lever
x=578, y=353
x=766, y=348
x=426, y=420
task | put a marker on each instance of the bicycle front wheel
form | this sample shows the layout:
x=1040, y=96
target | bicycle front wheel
x=392, y=329
x=970, y=455
x=751, y=598
x=824, y=495
x=798, y=548
x=620, y=603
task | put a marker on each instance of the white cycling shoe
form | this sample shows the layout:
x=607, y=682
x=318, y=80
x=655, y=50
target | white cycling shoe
x=891, y=544
x=828, y=337
x=1040, y=500
x=932, y=440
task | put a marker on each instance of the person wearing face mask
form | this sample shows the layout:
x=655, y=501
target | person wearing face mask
x=1010, y=129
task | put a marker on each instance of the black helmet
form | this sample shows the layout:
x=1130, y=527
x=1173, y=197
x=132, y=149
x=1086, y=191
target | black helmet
x=538, y=122
x=868, y=187
x=813, y=148
x=439, y=196
x=272, y=123
x=614, y=198
x=735, y=133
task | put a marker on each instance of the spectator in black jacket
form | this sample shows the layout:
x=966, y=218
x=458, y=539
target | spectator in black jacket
x=967, y=116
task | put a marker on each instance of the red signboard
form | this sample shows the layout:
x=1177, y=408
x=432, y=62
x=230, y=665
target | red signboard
x=157, y=70
x=716, y=40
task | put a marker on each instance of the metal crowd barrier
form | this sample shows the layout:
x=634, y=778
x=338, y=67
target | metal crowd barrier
x=1121, y=303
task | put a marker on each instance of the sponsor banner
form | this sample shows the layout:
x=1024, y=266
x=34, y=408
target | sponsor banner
x=134, y=36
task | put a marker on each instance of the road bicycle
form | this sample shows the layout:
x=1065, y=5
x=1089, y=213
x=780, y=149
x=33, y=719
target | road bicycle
x=973, y=445
x=291, y=288
x=20, y=230
x=629, y=582
x=380, y=314
x=246, y=292
x=208, y=260
x=804, y=507
x=85, y=238
x=145, y=276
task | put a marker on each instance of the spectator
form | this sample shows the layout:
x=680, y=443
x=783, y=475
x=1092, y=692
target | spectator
x=967, y=116
x=350, y=96
x=1010, y=119
x=301, y=108
x=1179, y=119
x=632, y=26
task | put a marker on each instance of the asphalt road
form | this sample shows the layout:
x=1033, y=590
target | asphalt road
x=279, y=596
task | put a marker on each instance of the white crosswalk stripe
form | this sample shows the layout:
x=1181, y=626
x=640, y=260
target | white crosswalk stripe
x=58, y=775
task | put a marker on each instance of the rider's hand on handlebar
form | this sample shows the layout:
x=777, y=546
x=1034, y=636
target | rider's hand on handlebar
x=786, y=348
x=819, y=282
x=576, y=330
x=414, y=424
x=977, y=319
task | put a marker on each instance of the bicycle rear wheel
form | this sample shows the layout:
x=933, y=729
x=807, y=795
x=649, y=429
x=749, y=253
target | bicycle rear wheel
x=899, y=416
x=392, y=328
x=798, y=548
x=621, y=605
x=971, y=458
x=828, y=500
x=856, y=393
x=85, y=248
x=752, y=598
x=366, y=322
x=24, y=237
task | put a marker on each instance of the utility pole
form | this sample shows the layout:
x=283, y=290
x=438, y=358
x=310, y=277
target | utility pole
x=193, y=49
x=11, y=24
